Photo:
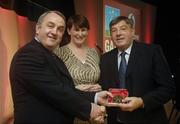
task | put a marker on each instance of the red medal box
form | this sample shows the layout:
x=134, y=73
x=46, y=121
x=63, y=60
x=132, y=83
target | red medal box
x=118, y=95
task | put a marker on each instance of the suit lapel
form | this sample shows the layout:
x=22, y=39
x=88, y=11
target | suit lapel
x=58, y=65
x=114, y=61
x=134, y=55
x=54, y=62
x=133, y=59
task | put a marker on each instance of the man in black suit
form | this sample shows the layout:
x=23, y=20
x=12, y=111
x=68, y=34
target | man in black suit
x=42, y=88
x=147, y=78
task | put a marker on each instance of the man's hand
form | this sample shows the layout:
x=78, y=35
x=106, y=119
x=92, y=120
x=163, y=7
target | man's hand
x=97, y=113
x=102, y=99
x=131, y=103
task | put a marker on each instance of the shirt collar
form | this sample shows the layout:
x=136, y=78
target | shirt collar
x=128, y=50
x=37, y=39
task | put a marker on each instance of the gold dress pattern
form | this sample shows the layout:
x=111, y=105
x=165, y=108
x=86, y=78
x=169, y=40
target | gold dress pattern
x=87, y=72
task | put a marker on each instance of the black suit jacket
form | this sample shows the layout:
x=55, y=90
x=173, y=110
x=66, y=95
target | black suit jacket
x=148, y=76
x=43, y=90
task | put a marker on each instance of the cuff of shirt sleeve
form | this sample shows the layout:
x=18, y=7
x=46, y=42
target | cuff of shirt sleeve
x=96, y=98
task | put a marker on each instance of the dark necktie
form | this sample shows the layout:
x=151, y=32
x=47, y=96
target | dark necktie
x=122, y=71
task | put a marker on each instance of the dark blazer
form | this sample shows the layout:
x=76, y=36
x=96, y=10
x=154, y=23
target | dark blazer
x=43, y=90
x=148, y=76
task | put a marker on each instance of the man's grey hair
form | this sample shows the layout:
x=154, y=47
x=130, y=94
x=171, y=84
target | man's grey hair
x=40, y=20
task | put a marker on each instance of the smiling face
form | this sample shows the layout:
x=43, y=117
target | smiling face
x=77, y=28
x=122, y=35
x=78, y=35
x=50, y=30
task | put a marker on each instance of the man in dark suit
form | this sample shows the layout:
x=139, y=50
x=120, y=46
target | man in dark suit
x=147, y=77
x=42, y=88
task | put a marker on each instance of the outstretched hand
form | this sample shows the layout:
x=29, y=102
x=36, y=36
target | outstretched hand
x=102, y=99
x=131, y=103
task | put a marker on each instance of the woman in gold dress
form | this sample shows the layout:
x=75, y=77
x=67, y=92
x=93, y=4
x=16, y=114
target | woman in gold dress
x=82, y=62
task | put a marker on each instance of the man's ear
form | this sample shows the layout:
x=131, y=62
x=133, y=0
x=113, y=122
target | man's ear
x=135, y=37
x=133, y=31
x=68, y=31
x=37, y=29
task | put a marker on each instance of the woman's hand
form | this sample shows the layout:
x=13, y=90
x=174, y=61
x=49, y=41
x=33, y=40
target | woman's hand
x=89, y=87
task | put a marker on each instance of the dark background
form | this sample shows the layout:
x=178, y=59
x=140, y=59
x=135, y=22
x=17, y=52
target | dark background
x=167, y=34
